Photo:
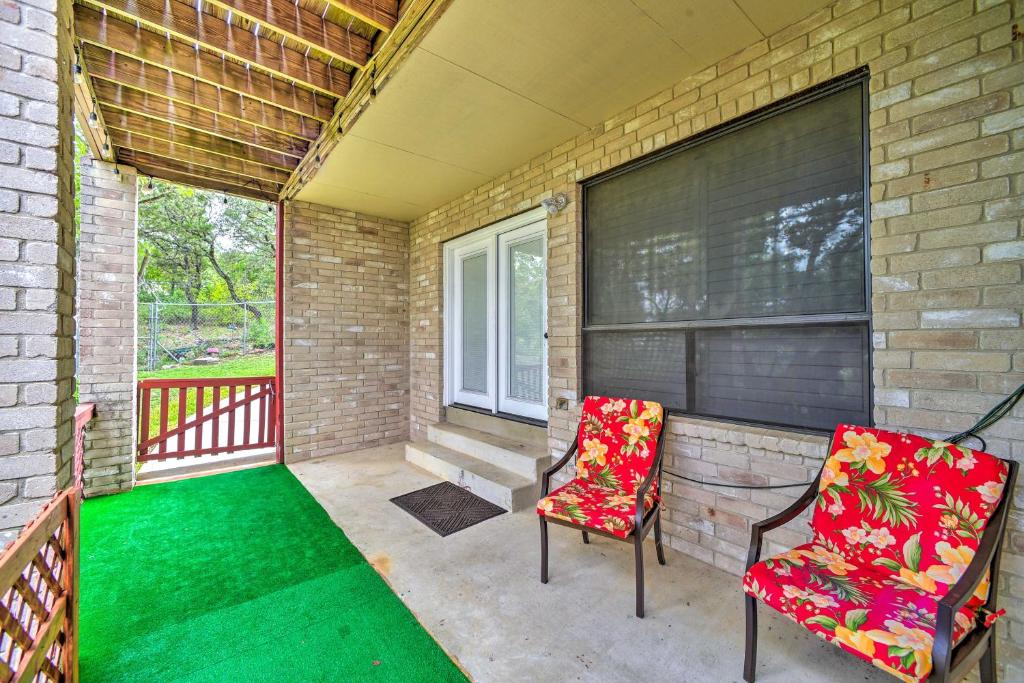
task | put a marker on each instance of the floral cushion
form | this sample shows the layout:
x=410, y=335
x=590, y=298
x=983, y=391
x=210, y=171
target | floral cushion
x=871, y=613
x=897, y=520
x=584, y=503
x=617, y=442
x=907, y=505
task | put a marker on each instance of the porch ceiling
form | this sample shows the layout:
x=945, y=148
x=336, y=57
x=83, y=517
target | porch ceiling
x=220, y=94
x=492, y=85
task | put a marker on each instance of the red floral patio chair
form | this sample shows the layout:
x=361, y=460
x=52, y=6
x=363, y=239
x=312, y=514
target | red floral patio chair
x=620, y=447
x=907, y=533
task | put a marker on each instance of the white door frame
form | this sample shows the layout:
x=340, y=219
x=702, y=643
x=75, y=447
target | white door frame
x=506, y=402
x=450, y=298
x=459, y=394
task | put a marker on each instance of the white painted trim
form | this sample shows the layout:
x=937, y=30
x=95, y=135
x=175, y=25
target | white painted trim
x=449, y=291
x=485, y=247
x=506, y=403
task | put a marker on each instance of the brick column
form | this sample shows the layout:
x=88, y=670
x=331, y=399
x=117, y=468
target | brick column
x=37, y=247
x=107, y=323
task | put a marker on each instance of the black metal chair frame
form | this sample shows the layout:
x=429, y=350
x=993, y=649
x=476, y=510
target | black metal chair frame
x=948, y=663
x=644, y=522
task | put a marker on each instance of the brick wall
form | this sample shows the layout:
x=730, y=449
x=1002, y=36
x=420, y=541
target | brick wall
x=107, y=322
x=947, y=177
x=346, y=330
x=37, y=254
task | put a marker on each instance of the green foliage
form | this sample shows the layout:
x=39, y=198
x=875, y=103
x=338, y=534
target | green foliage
x=842, y=587
x=606, y=479
x=883, y=499
x=856, y=618
x=912, y=552
x=969, y=525
x=947, y=452
x=81, y=150
x=824, y=620
x=203, y=247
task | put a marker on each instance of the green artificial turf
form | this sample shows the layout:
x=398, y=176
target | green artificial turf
x=238, y=577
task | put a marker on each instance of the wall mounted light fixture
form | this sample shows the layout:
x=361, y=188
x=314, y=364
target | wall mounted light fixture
x=556, y=203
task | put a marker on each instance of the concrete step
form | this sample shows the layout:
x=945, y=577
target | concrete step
x=495, y=484
x=525, y=459
x=499, y=426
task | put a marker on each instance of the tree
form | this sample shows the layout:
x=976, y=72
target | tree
x=174, y=228
x=210, y=247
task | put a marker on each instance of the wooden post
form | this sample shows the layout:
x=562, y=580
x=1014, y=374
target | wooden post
x=279, y=333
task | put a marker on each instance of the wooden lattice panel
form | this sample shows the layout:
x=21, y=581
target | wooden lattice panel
x=38, y=600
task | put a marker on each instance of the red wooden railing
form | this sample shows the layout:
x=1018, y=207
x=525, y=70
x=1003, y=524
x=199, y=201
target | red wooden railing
x=241, y=414
x=83, y=414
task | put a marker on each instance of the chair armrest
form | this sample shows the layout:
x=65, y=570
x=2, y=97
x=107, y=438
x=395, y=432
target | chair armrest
x=757, y=529
x=545, y=478
x=654, y=472
x=985, y=559
x=988, y=549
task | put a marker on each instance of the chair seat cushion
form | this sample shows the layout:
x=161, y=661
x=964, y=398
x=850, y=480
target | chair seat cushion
x=588, y=505
x=887, y=619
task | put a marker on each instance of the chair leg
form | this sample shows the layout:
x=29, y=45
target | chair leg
x=543, y=550
x=657, y=538
x=638, y=544
x=586, y=538
x=989, y=672
x=750, y=656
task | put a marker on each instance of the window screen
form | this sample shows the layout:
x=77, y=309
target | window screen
x=727, y=278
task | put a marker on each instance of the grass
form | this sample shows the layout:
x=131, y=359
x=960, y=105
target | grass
x=252, y=365
x=238, y=577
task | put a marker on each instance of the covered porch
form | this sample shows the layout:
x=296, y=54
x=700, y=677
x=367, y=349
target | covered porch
x=770, y=218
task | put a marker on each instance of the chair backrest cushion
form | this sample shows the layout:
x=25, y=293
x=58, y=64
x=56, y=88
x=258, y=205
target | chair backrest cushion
x=907, y=506
x=617, y=442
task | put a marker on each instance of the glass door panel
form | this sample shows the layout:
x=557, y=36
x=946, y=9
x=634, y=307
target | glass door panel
x=475, y=320
x=522, y=322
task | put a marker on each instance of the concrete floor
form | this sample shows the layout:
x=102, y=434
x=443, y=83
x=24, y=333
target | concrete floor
x=478, y=592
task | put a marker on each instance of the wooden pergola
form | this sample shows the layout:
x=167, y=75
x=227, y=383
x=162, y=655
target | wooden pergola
x=239, y=96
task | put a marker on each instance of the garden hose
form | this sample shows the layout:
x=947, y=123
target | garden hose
x=988, y=419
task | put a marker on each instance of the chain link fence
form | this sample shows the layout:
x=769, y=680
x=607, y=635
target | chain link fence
x=171, y=333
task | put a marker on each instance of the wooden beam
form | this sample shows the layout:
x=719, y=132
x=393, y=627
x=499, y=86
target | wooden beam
x=151, y=164
x=299, y=24
x=381, y=14
x=94, y=131
x=117, y=68
x=194, y=156
x=125, y=98
x=114, y=34
x=154, y=128
x=182, y=21
x=205, y=183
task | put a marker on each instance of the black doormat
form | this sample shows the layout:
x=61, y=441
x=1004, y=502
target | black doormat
x=446, y=508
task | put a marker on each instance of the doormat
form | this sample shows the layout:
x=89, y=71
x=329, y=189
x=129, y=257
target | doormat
x=446, y=508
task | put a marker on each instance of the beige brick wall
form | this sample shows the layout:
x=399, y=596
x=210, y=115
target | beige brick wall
x=346, y=330
x=107, y=371
x=37, y=257
x=947, y=159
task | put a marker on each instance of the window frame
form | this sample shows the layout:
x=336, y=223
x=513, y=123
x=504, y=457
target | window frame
x=858, y=78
